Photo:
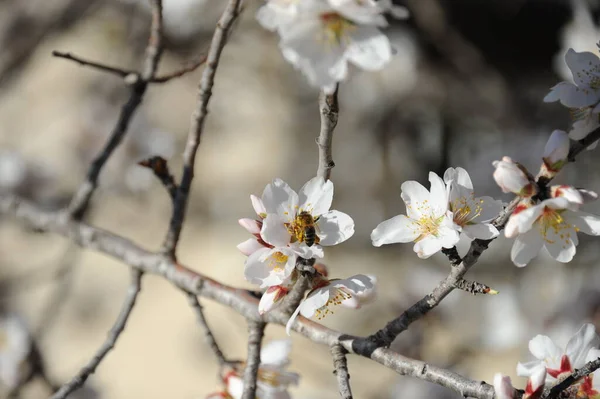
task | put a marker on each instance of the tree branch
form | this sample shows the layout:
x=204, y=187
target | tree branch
x=197, y=126
x=80, y=201
x=78, y=381
x=160, y=168
x=340, y=369
x=208, y=335
x=256, y=331
x=575, y=376
x=473, y=287
x=328, y=105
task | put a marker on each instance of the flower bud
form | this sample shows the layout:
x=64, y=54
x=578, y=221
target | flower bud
x=272, y=298
x=253, y=226
x=535, y=384
x=258, y=206
x=513, y=178
x=556, y=152
x=503, y=387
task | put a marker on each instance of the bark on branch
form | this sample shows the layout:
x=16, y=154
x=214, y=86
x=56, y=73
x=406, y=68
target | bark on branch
x=256, y=331
x=340, y=369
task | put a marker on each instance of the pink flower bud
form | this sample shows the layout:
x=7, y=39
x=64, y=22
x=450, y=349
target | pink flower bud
x=253, y=226
x=513, y=178
x=272, y=298
x=556, y=152
x=503, y=387
x=535, y=384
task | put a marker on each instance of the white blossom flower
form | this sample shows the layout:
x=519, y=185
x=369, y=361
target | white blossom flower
x=270, y=266
x=471, y=214
x=552, y=224
x=513, y=178
x=557, y=361
x=365, y=297
x=589, y=387
x=272, y=298
x=273, y=379
x=556, y=151
x=329, y=293
x=303, y=221
x=320, y=37
x=15, y=347
x=428, y=223
x=585, y=91
x=534, y=389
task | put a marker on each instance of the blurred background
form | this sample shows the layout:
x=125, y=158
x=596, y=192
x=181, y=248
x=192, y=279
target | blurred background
x=464, y=89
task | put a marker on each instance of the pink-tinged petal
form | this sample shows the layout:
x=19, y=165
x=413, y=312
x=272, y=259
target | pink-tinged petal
x=525, y=219
x=258, y=206
x=503, y=387
x=274, y=231
x=290, y=323
x=250, y=246
x=563, y=369
x=397, y=229
x=535, y=384
x=251, y=225
x=415, y=196
x=542, y=347
x=585, y=222
x=580, y=344
x=271, y=299
x=235, y=387
x=334, y=227
x=571, y=194
x=584, y=66
x=438, y=199
x=427, y=247
x=560, y=244
x=526, y=369
x=483, y=231
x=276, y=353
x=316, y=196
x=526, y=247
x=280, y=199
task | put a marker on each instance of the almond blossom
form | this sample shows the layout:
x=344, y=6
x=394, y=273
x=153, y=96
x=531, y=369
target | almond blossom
x=272, y=297
x=273, y=379
x=472, y=214
x=329, y=293
x=512, y=177
x=303, y=221
x=534, y=389
x=590, y=385
x=560, y=362
x=320, y=37
x=428, y=223
x=556, y=153
x=552, y=224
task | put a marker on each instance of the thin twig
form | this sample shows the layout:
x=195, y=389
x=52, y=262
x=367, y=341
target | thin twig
x=192, y=66
x=160, y=168
x=78, y=381
x=197, y=126
x=328, y=105
x=256, y=331
x=573, y=378
x=210, y=338
x=340, y=369
x=473, y=287
x=80, y=201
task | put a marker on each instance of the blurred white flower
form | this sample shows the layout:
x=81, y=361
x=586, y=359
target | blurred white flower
x=429, y=222
x=557, y=361
x=15, y=347
x=470, y=213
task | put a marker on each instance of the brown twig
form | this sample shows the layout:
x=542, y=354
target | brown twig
x=340, y=369
x=192, y=66
x=80, y=201
x=210, y=338
x=78, y=381
x=197, y=126
x=573, y=378
x=328, y=105
x=256, y=331
x=158, y=165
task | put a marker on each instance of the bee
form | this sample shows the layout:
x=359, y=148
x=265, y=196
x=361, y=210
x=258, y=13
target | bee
x=305, y=228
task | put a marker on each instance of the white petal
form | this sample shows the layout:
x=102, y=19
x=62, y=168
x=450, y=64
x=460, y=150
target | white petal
x=526, y=369
x=274, y=231
x=438, y=198
x=306, y=252
x=369, y=49
x=525, y=219
x=489, y=209
x=526, y=247
x=572, y=96
x=249, y=246
x=358, y=283
x=255, y=270
x=279, y=198
x=542, y=347
x=503, y=387
x=580, y=344
x=258, y=206
x=235, y=387
x=427, y=247
x=315, y=300
x=271, y=299
x=415, y=196
x=397, y=229
x=276, y=352
x=537, y=381
x=316, y=196
x=559, y=243
x=290, y=323
x=483, y=231
x=460, y=176
x=585, y=222
x=251, y=225
x=334, y=227
x=447, y=236
x=584, y=66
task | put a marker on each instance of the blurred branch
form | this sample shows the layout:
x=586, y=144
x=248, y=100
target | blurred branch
x=192, y=66
x=197, y=125
x=79, y=204
x=160, y=168
x=256, y=331
x=210, y=338
x=328, y=105
x=340, y=369
x=573, y=378
x=109, y=344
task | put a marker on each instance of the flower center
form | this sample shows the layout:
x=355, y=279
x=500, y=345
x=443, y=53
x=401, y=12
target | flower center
x=427, y=225
x=269, y=377
x=278, y=261
x=336, y=27
x=565, y=367
x=304, y=229
x=465, y=211
x=340, y=295
x=578, y=114
x=551, y=221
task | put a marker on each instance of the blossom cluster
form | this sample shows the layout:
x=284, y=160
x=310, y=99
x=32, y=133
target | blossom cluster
x=554, y=363
x=273, y=379
x=321, y=37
